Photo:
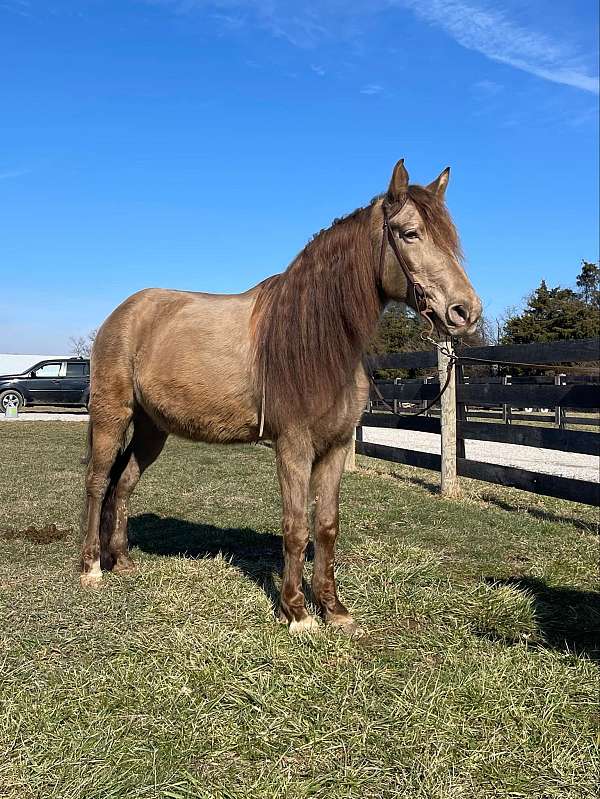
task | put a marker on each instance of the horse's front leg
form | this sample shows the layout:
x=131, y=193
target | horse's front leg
x=294, y=464
x=325, y=492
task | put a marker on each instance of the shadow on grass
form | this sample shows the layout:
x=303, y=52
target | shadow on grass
x=257, y=555
x=537, y=513
x=541, y=513
x=568, y=619
x=429, y=485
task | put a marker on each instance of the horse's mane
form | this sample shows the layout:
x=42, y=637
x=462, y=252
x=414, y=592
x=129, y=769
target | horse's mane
x=313, y=322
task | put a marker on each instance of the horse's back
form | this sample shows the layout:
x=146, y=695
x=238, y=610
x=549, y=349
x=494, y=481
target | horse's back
x=186, y=359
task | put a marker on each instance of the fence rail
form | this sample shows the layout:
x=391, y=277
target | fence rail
x=470, y=398
x=549, y=353
x=584, y=442
x=482, y=394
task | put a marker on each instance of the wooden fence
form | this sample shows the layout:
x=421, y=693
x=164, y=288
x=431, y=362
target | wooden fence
x=465, y=401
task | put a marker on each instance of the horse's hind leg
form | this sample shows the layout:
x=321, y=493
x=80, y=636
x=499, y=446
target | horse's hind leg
x=144, y=448
x=106, y=441
x=325, y=492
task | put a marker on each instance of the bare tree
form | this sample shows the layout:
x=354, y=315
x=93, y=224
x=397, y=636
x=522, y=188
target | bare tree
x=500, y=322
x=81, y=346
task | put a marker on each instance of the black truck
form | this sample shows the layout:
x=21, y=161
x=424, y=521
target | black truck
x=59, y=381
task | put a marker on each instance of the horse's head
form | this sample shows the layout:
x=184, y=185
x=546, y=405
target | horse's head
x=425, y=239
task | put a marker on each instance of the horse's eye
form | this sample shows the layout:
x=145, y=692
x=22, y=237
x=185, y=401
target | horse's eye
x=409, y=235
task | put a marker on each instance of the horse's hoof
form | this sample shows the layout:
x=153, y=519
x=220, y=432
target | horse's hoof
x=346, y=625
x=124, y=567
x=90, y=580
x=306, y=625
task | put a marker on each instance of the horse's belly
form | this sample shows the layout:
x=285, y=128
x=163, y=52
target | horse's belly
x=200, y=412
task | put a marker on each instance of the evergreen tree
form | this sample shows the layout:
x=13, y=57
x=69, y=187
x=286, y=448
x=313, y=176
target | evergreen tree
x=399, y=331
x=554, y=314
x=588, y=282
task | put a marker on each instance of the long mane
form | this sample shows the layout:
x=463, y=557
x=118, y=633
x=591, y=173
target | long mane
x=313, y=322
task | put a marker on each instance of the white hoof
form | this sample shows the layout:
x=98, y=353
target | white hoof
x=90, y=580
x=307, y=625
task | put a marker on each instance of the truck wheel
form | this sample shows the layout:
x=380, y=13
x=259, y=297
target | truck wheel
x=11, y=397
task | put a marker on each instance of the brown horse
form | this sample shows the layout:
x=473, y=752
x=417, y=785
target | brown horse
x=286, y=357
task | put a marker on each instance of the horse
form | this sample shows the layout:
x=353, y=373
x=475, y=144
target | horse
x=287, y=356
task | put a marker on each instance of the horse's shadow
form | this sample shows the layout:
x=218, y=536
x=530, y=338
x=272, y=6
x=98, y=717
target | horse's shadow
x=259, y=556
x=567, y=618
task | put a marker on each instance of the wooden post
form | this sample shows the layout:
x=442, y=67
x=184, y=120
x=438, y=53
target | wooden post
x=506, y=409
x=461, y=412
x=426, y=381
x=559, y=411
x=449, y=483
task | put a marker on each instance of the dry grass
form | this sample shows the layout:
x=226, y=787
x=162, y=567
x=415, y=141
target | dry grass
x=475, y=678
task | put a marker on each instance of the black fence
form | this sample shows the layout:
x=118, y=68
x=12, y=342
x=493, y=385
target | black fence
x=482, y=401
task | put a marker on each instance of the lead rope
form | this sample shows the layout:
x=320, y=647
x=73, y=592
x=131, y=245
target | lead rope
x=452, y=360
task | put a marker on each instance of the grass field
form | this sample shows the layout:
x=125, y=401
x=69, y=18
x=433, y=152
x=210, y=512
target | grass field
x=475, y=677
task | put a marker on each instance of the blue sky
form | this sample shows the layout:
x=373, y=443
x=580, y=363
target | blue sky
x=199, y=144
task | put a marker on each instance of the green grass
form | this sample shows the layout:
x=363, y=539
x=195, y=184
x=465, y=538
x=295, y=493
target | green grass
x=475, y=677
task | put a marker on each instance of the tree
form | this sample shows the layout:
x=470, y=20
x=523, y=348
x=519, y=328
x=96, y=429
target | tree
x=588, y=282
x=399, y=330
x=81, y=346
x=554, y=314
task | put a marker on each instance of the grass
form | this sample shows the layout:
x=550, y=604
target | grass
x=476, y=676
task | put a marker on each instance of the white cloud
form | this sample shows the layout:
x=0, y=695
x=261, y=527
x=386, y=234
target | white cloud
x=491, y=32
x=371, y=88
x=480, y=25
x=13, y=173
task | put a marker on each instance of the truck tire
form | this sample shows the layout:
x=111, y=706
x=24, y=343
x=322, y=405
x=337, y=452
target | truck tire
x=11, y=396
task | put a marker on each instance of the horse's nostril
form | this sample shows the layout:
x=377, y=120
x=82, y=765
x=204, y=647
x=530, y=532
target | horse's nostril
x=458, y=314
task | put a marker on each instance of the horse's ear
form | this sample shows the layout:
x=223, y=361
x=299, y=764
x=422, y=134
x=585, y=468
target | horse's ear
x=438, y=186
x=399, y=181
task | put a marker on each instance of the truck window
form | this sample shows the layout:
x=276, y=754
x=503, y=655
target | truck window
x=76, y=369
x=48, y=370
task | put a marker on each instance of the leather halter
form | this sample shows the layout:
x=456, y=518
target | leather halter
x=419, y=295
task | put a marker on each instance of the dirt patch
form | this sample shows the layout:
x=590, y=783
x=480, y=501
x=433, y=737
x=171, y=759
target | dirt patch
x=37, y=535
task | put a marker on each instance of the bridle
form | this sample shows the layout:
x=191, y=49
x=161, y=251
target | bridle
x=419, y=294
x=421, y=304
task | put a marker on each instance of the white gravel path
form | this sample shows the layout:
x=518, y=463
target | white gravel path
x=35, y=416
x=535, y=459
x=549, y=461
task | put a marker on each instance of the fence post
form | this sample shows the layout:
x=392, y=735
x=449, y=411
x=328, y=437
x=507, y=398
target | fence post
x=449, y=479
x=397, y=403
x=424, y=402
x=461, y=412
x=559, y=412
x=506, y=409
